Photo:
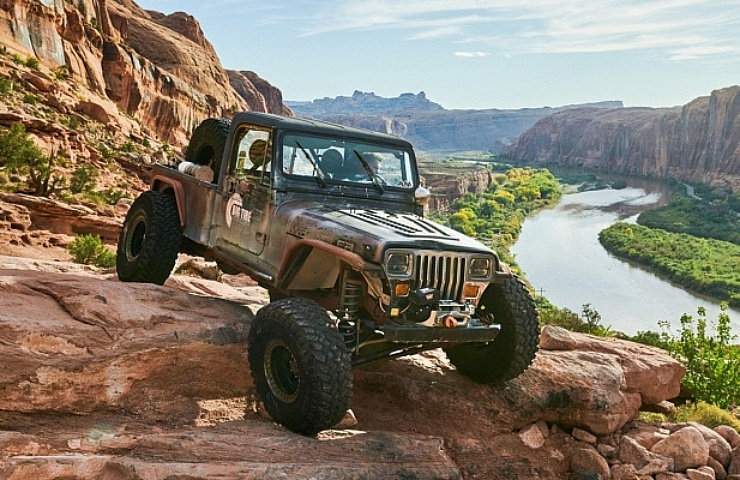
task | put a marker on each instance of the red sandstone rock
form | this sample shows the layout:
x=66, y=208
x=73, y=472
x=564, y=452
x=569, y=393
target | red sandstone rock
x=647, y=370
x=695, y=143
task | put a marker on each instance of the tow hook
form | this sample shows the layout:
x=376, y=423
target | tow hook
x=454, y=320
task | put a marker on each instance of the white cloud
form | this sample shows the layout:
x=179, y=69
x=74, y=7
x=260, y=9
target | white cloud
x=693, y=53
x=472, y=54
x=683, y=29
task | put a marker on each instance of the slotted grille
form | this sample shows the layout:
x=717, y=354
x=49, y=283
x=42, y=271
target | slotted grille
x=445, y=273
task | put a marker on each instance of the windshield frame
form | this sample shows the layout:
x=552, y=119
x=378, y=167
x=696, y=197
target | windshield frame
x=397, y=163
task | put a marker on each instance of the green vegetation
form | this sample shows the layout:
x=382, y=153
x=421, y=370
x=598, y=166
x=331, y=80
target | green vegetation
x=716, y=219
x=496, y=216
x=700, y=412
x=708, y=266
x=588, y=322
x=20, y=156
x=6, y=86
x=712, y=362
x=89, y=250
x=61, y=73
x=16, y=149
x=32, y=62
x=83, y=179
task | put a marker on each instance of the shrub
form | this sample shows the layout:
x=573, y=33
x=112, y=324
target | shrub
x=61, y=73
x=83, y=179
x=89, y=250
x=109, y=196
x=712, y=362
x=6, y=86
x=588, y=322
x=32, y=62
x=706, y=414
x=30, y=99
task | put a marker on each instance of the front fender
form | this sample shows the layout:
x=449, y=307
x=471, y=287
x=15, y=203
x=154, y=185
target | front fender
x=311, y=264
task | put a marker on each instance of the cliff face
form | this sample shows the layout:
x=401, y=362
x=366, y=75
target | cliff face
x=699, y=142
x=449, y=182
x=158, y=69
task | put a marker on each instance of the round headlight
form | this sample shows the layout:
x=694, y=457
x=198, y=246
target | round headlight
x=399, y=264
x=480, y=267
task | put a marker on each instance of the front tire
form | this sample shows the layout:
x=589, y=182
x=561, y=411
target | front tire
x=300, y=365
x=150, y=239
x=514, y=348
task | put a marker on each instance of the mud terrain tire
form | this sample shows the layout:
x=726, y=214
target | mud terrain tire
x=300, y=365
x=208, y=143
x=150, y=239
x=513, y=350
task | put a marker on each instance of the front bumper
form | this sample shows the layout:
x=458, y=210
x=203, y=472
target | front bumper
x=472, y=333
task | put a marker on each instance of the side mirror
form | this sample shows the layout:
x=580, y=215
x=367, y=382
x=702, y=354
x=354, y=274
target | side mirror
x=422, y=196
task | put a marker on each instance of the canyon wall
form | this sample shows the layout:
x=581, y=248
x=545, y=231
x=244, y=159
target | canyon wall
x=430, y=127
x=699, y=142
x=157, y=69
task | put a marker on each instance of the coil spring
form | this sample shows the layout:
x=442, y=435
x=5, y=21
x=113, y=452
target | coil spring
x=349, y=302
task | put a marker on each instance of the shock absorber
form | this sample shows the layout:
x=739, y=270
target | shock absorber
x=349, y=325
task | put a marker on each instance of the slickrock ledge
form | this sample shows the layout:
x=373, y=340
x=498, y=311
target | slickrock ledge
x=104, y=379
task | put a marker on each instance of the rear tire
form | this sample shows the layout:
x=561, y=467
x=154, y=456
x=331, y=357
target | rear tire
x=514, y=349
x=208, y=143
x=300, y=365
x=150, y=239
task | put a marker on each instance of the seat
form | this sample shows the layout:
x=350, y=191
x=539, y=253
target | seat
x=257, y=153
x=331, y=163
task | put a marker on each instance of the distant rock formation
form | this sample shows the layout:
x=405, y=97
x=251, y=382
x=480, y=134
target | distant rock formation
x=157, y=69
x=427, y=125
x=364, y=103
x=453, y=181
x=699, y=142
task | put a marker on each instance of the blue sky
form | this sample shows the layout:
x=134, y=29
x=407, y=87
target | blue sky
x=479, y=53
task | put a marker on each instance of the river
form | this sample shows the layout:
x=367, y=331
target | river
x=560, y=254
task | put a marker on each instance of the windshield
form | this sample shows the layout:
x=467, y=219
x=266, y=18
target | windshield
x=347, y=161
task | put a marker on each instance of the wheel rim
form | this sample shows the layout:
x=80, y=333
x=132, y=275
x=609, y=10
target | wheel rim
x=281, y=371
x=135, y=237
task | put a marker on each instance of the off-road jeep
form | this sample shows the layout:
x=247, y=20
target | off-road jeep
x=354, y=271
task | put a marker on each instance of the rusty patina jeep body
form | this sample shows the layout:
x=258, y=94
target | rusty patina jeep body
x=329, y=219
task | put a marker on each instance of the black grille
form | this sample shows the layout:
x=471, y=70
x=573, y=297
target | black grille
x=445, y=273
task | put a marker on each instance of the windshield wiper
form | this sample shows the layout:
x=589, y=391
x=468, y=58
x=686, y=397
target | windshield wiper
x=369, y=171
x=320, y=175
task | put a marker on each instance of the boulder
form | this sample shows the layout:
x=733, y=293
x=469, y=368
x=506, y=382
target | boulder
x=729, y=434
x=720, y=472
x=703, y=473
x=575, y=388
x=532, y=436
x=648, y=371
x=719, y=448
x=644, y=461
x=80, y=345
x=587, y=463
x=623, y=471
x=686, y=447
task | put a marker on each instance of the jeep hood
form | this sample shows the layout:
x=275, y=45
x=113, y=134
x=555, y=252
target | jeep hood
x=369, y=232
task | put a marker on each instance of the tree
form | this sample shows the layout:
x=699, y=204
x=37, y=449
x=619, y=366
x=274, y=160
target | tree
x=20, y=154
x=17, y=151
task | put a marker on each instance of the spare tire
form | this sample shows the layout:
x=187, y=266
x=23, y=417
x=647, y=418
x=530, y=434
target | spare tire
x=208, y=143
